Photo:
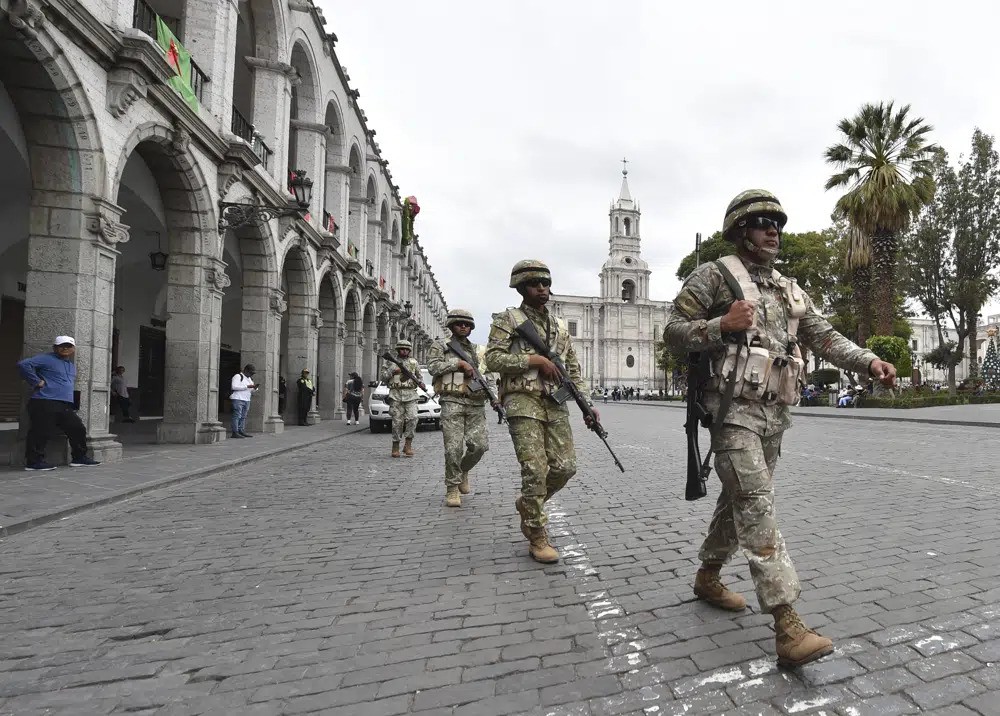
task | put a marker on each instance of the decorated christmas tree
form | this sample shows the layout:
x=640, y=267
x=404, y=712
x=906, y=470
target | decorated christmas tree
x=990, y=371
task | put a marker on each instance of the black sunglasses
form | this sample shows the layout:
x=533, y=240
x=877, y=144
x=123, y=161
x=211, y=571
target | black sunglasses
x=462, y=324
x=536, y=282
x=763, y=222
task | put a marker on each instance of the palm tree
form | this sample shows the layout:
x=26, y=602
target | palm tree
x=859, y=264
x=885, y=164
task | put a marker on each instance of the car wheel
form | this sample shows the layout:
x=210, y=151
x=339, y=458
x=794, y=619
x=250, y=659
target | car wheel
x=437, y=424
x=373, y=426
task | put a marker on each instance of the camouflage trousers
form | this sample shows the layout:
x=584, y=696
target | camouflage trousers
x=404, y=419
x=744, y=516
x=548, y=460
x=465, y=441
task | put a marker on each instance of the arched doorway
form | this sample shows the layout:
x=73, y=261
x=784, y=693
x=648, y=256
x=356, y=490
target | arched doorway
x=370, y=338
x=330, y=349
x=353, y=338
x=169, y=286
x=299, y=328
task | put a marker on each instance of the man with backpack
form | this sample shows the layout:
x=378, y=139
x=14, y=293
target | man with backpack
x=750, y=321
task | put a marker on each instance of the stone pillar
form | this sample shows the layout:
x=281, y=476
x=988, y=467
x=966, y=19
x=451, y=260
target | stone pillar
x=71, y=273
x=194, y=305
x=273, y=89
x=210, y=36
x=328, y=363
x=301, y=351
x=353, y=344
x=358, y=208
x=261, y=331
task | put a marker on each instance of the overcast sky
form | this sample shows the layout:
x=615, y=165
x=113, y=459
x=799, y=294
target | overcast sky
x=508, y=120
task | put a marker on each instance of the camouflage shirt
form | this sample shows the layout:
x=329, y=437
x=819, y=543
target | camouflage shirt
x=440, y=361
x=694, y=320
x=506, y=355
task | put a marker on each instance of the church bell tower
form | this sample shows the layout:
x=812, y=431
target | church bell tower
x=625, y=276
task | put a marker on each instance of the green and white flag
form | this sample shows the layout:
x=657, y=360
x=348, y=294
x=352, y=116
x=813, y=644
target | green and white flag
x=180, y=60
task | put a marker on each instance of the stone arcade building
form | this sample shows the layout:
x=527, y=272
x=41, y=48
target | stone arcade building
x=104, y=163
x=616, y=333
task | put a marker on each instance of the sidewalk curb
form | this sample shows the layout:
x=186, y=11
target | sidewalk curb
x=846, y=415
x=41, y=518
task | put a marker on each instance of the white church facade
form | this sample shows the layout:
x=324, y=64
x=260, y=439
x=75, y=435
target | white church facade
x=616, y=333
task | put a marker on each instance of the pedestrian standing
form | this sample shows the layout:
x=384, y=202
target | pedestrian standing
x=305, y=395
x=52, y=377
x=282, y=395
x=353, y=396
x=463, y=411
x=119, y=391
x=539, y=423
x=760, y=334
x=243, y=388
x=403, y=398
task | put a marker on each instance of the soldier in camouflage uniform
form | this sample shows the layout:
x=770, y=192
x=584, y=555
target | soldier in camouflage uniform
x=403, y=398
x=463, y=412
x=760, y=336
x=539, y=426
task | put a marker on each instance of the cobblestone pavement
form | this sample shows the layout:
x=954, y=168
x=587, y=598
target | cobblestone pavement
x=333, y=580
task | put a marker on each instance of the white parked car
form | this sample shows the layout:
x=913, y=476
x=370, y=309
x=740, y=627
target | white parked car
x=428, y=407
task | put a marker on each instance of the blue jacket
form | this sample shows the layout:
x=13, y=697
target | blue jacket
x=59, y=376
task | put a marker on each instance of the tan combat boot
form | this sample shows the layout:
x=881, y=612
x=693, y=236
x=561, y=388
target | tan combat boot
x=408, y=447
x=463, y=486
x=519, y=506
x=395, y=448
x=452, y=498
x=796, y=645
x=708, y=587
x=539, y=547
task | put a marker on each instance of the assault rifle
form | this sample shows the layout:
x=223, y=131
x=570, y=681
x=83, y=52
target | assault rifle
x=698, y=367
x=567, y=388
x=478, y=381
x=403, y=369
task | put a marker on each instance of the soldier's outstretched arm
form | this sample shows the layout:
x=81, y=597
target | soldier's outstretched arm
x=816, y=334
x=690, y=326
x=499, y=358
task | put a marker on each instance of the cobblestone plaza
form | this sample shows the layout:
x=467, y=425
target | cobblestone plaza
x=332, y=580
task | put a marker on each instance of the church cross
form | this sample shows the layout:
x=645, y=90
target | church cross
x=624, y=167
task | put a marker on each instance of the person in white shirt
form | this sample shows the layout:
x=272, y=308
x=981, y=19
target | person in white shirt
x=243, y=387
x=119, y=392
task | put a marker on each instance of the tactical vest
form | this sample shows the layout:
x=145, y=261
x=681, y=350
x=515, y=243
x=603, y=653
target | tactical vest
x=455, y=383
x=773, y=375
x=530, y=381
x=400, y=381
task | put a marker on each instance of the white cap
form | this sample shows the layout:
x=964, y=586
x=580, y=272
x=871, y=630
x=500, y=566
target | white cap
x=64, y=339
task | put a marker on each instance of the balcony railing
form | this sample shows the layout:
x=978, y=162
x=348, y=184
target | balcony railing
x=144, y=19
x=243, y=129
x=329, y=224
x=352, y=251
x=370, y=268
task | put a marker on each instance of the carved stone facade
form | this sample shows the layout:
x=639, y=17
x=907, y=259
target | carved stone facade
x=171, y=208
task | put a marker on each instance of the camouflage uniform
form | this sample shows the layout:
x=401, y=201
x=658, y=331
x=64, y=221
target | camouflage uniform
x=463, y=415
x=748, y=444
x=403, y=394
x=539, y=427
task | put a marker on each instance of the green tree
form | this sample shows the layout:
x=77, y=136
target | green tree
x=712, y=249
x=953, y=251
x=884, y=162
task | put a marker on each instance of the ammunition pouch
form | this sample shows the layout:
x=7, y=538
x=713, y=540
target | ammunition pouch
x=762, y=376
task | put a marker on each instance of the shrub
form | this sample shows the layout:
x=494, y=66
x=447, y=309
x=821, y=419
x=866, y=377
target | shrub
x=825, y=376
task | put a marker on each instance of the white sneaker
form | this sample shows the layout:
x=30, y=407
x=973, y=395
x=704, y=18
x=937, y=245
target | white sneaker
x=349, y=422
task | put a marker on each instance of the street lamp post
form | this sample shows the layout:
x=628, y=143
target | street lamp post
x=697, y=250
x=234, y=215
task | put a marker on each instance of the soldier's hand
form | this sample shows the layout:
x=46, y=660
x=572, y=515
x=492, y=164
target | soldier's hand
x=883, y=372
x=588, y=420
x=739, y=318
x=466, y=368
x=397, y=371
x=546, y=367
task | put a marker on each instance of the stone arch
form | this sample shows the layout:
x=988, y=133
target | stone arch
x=163, y=196
x=55, y=219
x=385, y=252
x=303, y=109
x=356, y=163
x=353, y=337
x=335, y=185
x=369, y=330
x=299, y=321
x=371, y=227
x=329, y=354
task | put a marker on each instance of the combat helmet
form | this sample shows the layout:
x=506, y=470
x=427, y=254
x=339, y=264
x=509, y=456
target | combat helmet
x=460, y=315
x=528, y=270
x=753, y=202
x=402, y=343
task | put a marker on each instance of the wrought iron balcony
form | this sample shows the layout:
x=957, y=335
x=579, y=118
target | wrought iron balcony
x=243, y=129
x=144, y=19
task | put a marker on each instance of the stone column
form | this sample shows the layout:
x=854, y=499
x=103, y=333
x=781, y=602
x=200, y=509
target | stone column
x=358, y=208
x=70, y=291
x=210, y=36
x=273, y=89
x=261, y=331
x=301, y=351
x=328, y=363
x=310, y=150
x=353, y=344
x=194, y=306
